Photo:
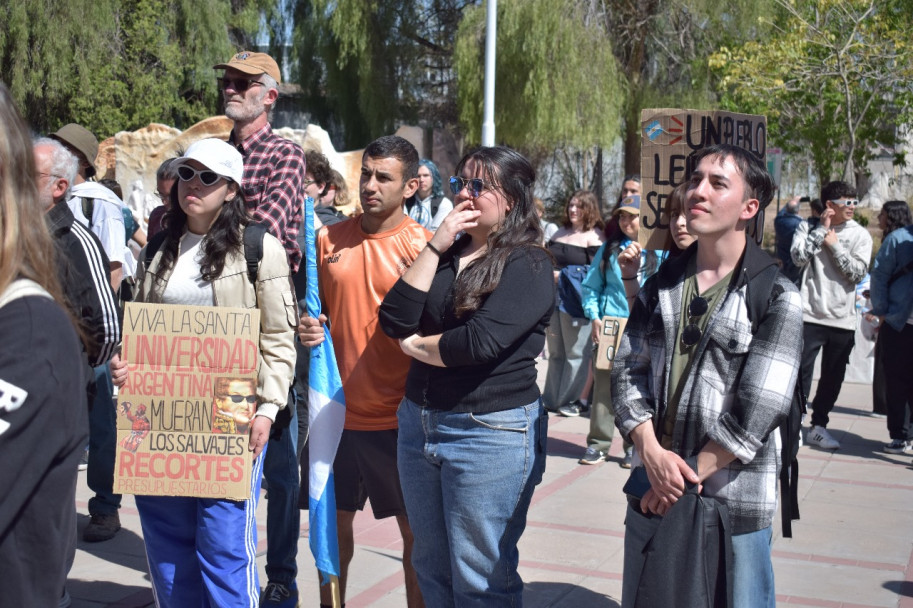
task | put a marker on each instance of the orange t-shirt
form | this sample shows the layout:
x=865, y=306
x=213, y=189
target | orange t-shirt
x=356, y=271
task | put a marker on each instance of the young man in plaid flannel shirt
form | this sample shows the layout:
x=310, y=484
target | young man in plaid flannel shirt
x=696, y=390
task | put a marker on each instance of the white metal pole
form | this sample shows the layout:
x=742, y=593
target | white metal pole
x=488, y=122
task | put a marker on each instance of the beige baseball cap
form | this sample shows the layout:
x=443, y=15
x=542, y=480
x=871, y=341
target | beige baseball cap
x=80, y=139
x=252, y=63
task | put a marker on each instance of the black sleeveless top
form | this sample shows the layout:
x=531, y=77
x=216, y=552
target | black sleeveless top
x=571, y=255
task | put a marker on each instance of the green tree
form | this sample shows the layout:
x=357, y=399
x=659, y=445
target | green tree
x=556, y=81
x=116, y=65
x=366, y=66
x=834, y=78
x=661, y=47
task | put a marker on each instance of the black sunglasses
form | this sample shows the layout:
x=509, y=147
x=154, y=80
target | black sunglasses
x=240, y=398
x=691, y=335
x=475, y=184
x=238, y=84
x=207, y=177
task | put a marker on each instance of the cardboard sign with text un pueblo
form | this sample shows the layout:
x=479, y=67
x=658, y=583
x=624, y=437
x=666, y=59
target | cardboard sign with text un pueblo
x=670, y=137
x=184, y=414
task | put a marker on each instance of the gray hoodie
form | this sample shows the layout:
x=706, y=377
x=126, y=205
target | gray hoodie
x=830, y=274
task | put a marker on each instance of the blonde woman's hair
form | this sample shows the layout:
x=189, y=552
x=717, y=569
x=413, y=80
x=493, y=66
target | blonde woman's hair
x=26, y=249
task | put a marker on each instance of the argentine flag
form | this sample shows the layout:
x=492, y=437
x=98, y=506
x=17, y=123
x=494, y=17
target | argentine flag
x=326, y=415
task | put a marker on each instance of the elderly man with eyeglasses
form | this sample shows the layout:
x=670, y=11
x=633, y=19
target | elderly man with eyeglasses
x=834, y=257
x=274, y=190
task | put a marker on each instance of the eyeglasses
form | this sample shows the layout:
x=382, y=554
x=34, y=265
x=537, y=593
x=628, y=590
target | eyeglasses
x=850, y=202
x=40, y=174
x=308, y=182
x=691, y=335
x=238, y=84
x=475, y=184
x=207, y=177
x=240, y=398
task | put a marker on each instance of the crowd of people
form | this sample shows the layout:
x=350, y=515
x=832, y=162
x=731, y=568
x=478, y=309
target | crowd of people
x=445, y=427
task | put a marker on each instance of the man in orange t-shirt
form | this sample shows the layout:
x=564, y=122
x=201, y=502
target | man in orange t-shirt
x=358, y=261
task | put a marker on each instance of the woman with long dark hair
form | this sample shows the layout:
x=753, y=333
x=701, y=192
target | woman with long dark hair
x=472, y=312
x=43, y=374
x=200, y=550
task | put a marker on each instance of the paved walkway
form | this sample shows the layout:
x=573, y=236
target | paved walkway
x=852, y=548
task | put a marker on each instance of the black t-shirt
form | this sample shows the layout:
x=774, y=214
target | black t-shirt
x=491, y=353
x=43, y=432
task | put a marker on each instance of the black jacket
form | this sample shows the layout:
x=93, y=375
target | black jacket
x=84, y=274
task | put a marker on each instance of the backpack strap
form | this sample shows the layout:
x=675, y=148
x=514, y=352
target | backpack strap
x=253, y=249
x=760, y=294
x=88, y=209
x=436, y=204
x=21, y=288
x=152, y=247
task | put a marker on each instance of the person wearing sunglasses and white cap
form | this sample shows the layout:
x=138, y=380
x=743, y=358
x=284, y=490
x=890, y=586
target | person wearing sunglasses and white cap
x=200, y=261
x=833, y=256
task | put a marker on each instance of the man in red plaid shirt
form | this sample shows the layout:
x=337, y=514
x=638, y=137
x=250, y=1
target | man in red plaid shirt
x=273, y=186
x=273, y=181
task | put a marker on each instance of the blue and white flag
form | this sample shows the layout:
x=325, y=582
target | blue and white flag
x=326, y=416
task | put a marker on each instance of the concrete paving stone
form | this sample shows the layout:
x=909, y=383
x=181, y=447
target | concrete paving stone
x=831, y=583
x=563, y=550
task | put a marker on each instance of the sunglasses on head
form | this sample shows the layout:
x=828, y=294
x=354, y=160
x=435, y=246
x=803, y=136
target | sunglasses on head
x=240, y=398
x=850, y=202
x=475, y=184
x=691, y=335
x=207, y=177
x=238, y=84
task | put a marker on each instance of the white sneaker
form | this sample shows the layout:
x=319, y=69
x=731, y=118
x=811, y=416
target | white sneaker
x=819, y=436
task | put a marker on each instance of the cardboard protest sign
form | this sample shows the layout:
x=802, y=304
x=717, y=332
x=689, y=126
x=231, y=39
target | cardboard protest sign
x=184, y=413
x=609, y=337
x=669, y=139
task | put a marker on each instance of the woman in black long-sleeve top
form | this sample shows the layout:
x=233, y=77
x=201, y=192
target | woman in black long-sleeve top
x=472, y=312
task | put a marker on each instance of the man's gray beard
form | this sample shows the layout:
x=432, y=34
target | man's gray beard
x=243, y=112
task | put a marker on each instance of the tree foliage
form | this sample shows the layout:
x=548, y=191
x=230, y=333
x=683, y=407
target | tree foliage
x=662, y=45
x=112, y=65
x=835, y=77
x=556, y=79
x=368, y=65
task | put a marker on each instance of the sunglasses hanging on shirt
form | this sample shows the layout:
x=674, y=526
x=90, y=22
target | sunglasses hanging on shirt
x=691, y=335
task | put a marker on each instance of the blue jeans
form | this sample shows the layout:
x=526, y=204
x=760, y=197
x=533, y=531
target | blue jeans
x=102, y=445
x=283, y=519
x=467, y=480
x=752, y=570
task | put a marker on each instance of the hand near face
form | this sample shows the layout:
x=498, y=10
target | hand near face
x=629, y=259
x=462, y=217
x=826, y=217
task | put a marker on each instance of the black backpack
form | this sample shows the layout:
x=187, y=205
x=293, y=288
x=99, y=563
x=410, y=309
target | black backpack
x=253, y=248
x=759, y=298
